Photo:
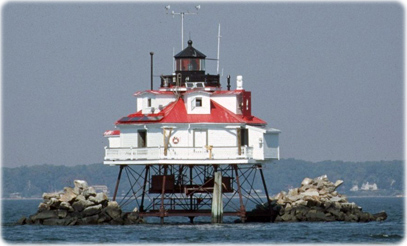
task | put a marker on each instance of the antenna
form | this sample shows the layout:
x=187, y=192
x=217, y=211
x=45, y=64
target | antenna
x=197, y=7
x=217, y=57
x=173, y=60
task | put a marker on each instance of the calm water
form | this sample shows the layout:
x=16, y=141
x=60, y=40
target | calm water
x=179, y=231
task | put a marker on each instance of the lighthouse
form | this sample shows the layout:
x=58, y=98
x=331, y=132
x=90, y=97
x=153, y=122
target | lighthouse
x=191, y=147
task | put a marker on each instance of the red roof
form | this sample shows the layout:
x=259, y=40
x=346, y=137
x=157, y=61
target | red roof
x=176, y=112
x=155, y=92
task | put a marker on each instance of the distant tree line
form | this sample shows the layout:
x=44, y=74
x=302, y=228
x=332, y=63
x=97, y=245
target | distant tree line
x=32, y=181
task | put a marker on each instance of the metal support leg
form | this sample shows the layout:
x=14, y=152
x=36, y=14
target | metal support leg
x=144, y=188
x=117, y=182
x=190, y=183
x=162, y=212
x=217, y=203
x=265, y=189
x=242, y=208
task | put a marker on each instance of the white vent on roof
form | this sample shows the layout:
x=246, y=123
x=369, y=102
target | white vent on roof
x=239, y=82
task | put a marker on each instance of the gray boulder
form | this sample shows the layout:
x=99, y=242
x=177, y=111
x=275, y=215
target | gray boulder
x=43, y=207
x=48, y=196
x=131, y=218
x=59, y=222
x=99, y=198
x=62, y=213
x=90, y=220
x=68, y=196
x=80, y=204
x=22, y=221
x=66, y=206
x=90, y=191
x=113, y=210
x=80, y=186
x=380, y=216
x=48, y=214
x=92, y=210
x=53, y=203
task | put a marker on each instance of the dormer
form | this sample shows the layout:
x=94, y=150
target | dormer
x=197, y=102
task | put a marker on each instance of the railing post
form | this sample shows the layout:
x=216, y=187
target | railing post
x=131, y=152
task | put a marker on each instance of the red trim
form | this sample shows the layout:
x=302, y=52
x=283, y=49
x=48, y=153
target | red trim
x=111, y=133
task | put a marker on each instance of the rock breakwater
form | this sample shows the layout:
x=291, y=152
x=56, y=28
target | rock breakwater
x=317, y=200
x=80, y=205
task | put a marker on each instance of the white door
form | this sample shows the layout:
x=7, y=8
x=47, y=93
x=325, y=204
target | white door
x=200, y=138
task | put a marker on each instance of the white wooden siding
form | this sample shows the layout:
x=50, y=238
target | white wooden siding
x=200, y=138
x=271, y=146
x=114, y=141
x=228, y=101
x=158, y=102
x=222, y=137
x=128, y=139
x=254, y=136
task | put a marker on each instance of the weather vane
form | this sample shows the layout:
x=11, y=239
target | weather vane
x=182, y=20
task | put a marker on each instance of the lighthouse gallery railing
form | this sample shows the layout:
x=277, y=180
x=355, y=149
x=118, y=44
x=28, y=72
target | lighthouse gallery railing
x=182, y=153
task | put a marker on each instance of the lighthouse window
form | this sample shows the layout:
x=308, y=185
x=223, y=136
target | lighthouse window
x=202, y=65
x=142, y=138
x=193, y=65
x=198, y=102
x=244, y=137
x=149, y=102
x=190, y=64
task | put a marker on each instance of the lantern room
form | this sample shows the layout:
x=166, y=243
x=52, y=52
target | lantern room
x=190, y=59
x=190, y=72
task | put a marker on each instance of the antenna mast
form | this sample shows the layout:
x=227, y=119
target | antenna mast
x=182, y=20
x=217, y=57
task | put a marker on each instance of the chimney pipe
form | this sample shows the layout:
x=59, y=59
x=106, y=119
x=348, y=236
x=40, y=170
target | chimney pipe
x=151, y=54
x=228, y=83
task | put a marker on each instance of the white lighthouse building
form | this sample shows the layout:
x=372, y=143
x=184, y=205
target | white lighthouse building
x=183, y=134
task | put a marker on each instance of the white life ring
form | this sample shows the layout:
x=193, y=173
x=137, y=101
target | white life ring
x=175, y=140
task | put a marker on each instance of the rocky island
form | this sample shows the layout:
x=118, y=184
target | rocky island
x=315, y=200
x=80, y=205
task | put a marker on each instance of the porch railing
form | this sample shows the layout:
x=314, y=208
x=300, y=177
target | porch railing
x=181, y=153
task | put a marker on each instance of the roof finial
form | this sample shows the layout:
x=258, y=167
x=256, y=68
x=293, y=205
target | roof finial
x=189, y=42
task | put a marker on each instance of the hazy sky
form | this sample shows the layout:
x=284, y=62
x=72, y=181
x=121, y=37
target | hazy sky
x=328, y=75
